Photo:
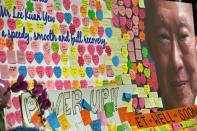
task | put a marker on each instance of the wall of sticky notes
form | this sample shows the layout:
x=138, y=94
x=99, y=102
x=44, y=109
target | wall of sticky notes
x=77, y=45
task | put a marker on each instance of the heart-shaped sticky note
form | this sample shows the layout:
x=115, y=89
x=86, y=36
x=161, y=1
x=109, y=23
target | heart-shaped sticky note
x=59, y=84
x=108, y=32
x=22, y=45
x=115, y=60
x=63, y=28
x=50, y=84
x=95, y=59
x=47, y=58
x=91, y=14
x=57, y=71
x=80, y=61
x=56, y=58
x=81, y=49
x=49, y=71
x=40, y=71
x=76, y=22
x=91, y=49
x=87, y=59
x=31, y=71
x=13, y=72
x=29, y=56
x=96, y=71
x=121, y=10
x=38, y=57
x=127, y=3
x=83, y=83
x=60, y=16
x=22, y=70
x=66, y=4
x=68, y=17
x=99, y=49
x=101, y=31
x=115, y=21
x=35, y=45
x=128, y=12
x=3, y=56
x=123, y=21
x=67, y=84
x=89, y=71
x=99, y=14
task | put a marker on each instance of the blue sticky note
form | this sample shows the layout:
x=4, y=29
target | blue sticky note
x=68, y=18
x=22, y=70
x=57, y=71
x=108, y=32
x=96, y=125
x=38, y=57
x=115, y=60
x=85, y=105
x=53, y=121
x=99, y=15
x=126, y=97
x=89, y=71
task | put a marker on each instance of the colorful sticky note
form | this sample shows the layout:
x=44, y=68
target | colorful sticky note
x=121, y=128
x=109, y=109
x=53, y=121
x=85, y=105
x=102, y=117
x=85, y=115
x=64, y=123
x=96, y=125
x=126, y=96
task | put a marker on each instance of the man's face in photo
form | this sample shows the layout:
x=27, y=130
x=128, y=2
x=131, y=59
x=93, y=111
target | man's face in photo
x=171, y=42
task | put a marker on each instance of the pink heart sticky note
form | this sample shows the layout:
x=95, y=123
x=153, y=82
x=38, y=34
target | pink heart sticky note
x=81, y=49
x=76, y=22
x=123, y=21
x=128, y=12
x=129, y=24
x=47, y=58
x=13, y=71
x=58, y=84
x=66, y=4
x=56, y=58
x=3, y=56
x=135, y=10
x=91, y=49
x=50, y=8
x=99, y=49
x=135, y=102
x=50, y=85
x=121, y=10
x=96, y=71
x=60, y=17
x=29, y=55
x=67, y=84
x=141, y=102
x=16, y=102
x=74, y=8
x=22, y=45
x=135, y=20
x=115, y=21
x=80, y=61
x=85, y=21
x=63, y=28
x=31, y=71
x=63, y=47
x=49, y=71
x=18, y=116
x=127, y=3
x=47, y=47
x=35, y=46
x=38, y=7
x=87, y=59
x=40, y=71
x=95, y=59
x=101, y=31
x=115, y=9
x=83, y=83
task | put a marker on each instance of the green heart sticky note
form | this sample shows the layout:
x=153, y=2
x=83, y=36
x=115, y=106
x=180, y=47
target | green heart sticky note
x=105, y=83
x=144, y=52
x=55, y=47
x=30, y=6
x=147, y=72
x=118, y=80
x=129, y=64
x=109, y=4
x=109, y=109
x=91, y=14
